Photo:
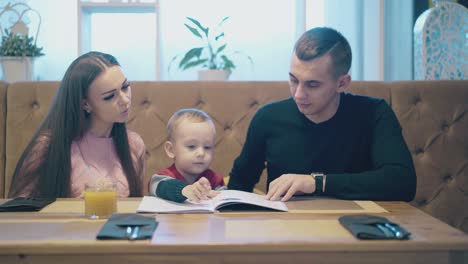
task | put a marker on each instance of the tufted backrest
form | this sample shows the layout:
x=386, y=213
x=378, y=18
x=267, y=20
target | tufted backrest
x=231, y=105
x=3, y=91
x=433, y=114
x=27, y=105
x=434, y=117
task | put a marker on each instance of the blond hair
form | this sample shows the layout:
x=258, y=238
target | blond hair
x=190, y=114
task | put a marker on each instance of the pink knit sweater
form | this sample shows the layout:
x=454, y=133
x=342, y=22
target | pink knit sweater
x=94, y=158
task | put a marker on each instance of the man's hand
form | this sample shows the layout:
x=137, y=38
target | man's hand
x=290, y=184
x=199, y=190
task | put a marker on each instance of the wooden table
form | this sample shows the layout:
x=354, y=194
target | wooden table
x=63, y=235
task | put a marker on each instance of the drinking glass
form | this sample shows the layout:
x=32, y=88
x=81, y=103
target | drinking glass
x=100, y=200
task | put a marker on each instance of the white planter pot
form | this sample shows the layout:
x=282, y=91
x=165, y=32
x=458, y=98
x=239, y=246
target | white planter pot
x=213, y=75
x=17, y=69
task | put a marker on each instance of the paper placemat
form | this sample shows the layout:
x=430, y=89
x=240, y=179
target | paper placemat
x=334, y=206
x=48, y=230
x=77, y=206
x=282, y=228
x=316, y=206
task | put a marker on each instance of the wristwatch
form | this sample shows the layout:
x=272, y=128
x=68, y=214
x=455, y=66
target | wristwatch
x=320, y=179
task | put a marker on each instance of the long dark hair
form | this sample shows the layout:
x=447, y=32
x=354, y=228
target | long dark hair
x=67, y=121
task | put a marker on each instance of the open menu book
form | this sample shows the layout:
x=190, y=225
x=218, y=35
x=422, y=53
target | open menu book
x=226, y=200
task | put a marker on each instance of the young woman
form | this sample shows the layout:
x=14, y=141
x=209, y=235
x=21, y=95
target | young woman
x=83, y=138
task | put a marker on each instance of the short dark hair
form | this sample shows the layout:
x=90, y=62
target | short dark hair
x=319, y=41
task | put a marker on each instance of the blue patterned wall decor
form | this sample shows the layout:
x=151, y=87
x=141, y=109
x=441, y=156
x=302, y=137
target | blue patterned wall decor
x=441, y=43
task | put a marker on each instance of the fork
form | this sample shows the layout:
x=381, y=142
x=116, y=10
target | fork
x=132, y=232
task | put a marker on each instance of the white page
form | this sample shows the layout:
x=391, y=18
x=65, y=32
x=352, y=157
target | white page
x=227, y=196
x=151, y=204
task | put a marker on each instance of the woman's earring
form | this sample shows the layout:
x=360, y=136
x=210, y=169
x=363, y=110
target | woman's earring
x=87, y=107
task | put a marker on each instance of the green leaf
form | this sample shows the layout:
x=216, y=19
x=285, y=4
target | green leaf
x=193, y=53
x=221, y=48
x=212, y=54
x=228, y=64
x=194, y=21
x=219, y=36
x=194, y=63
x=194, y=31
x=223, y=20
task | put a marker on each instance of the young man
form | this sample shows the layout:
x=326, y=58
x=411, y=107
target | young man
x=322, y=140
x=192, y=136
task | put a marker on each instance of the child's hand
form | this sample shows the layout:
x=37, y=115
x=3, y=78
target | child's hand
x=212, y=194
x=200, y=190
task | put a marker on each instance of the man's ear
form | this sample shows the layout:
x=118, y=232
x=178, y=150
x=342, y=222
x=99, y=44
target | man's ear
x=169, y=148
x=343, y=82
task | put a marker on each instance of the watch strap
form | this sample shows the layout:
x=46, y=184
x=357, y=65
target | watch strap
x=318, y=177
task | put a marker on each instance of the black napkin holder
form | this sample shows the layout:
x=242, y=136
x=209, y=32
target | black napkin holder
x=370, y=227
x=22, y=204
x=116, y=227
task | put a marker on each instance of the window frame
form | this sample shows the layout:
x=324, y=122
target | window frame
x=86, y=9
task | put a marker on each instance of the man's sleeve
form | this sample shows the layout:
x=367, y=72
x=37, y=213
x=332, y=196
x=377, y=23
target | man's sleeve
x=249, y=165
x=392, y=176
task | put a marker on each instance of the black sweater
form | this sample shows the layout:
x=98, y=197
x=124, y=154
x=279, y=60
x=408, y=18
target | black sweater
x=361, y=150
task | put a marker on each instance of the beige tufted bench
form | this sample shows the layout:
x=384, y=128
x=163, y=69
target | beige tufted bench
x=433, y=114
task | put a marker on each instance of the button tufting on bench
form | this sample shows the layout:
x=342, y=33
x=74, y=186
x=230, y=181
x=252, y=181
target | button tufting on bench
x=418, y=151
x=35, y=105
x=444, y=126
x=199, y=103
x=448, y=178
x=416, y=100
x=145, y=103
x=254, y=104
x=422, y=202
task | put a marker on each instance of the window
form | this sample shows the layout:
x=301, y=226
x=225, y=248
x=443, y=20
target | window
x=125, y=30
x=265, y=30
x=146, y=34
x=262, y=29
x=315, y=14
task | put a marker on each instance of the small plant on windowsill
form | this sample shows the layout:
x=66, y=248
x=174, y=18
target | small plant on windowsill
x=16, y=45
x=213, y=55
x=17, y=54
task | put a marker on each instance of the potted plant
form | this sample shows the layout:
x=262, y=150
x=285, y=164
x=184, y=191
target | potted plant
x=213, y=56
x=17, y=53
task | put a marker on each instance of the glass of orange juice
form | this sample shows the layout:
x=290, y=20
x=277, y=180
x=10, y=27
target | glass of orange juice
x=100, y=200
